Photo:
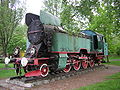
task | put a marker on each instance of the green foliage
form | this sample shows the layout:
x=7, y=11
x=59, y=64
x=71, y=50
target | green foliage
x=80, y=12
x=18, y=39
x=11, y=14
x=118, y=50
x=113, y=84
x=104, y=22
x=53, y=6
x=67, y=18
x=86, y=8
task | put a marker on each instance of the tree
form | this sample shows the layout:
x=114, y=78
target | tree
x=19, y=39
x=74, y=14
x=11, y=13
x=67, y=17
x=53, y=6
x=106, y=22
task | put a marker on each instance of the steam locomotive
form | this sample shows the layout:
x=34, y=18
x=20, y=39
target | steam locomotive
x=50, y=48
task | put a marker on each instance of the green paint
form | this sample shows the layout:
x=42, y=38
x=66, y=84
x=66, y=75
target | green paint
x=49, y=19
x=67, y=43
x=62, y=61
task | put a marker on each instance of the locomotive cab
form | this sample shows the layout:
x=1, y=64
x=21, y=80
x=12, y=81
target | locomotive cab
x=97, y=41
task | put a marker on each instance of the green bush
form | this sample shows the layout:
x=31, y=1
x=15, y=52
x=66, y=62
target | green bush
x=118, y=51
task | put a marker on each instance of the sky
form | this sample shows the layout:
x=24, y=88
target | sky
x=33, y=6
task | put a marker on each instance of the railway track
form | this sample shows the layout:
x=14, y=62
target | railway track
x=33, y=81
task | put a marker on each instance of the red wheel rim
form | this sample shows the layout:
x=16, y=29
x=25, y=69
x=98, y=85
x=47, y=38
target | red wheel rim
x=67, y=68
x=44, y=70
x=84, y=64
x=76, y=65
x=91, y=63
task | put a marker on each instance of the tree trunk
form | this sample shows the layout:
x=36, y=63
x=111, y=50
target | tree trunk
x=107, y=59
x=4, y=51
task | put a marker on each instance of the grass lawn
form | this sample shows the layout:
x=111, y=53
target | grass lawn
x=112, y=84
x=7, y=73
x=111, y=58
x=2, y=65
x=117, y=63
x=114, y=57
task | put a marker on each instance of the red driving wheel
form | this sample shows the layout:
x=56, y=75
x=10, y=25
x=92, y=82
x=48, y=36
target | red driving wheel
x=91, y=63
x=76, y=65
x=84, y=64
x=67, y=68
x=44, y=70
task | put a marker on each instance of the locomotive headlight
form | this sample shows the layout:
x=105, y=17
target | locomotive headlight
x=32, y=51
x=7, y=60
x=24, y=61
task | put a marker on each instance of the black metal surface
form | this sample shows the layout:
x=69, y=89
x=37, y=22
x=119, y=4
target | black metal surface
x=35, y=32
x=30, y=17
x=16, y=77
